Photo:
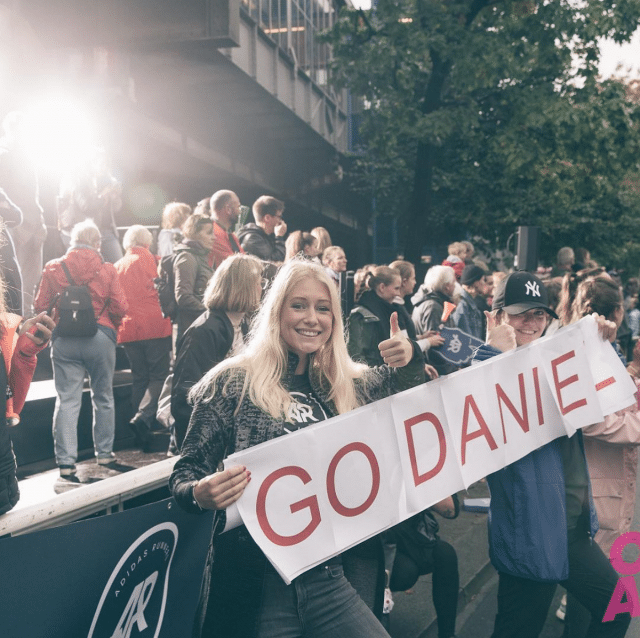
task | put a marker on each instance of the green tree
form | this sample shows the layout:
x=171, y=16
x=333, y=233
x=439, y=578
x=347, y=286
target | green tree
x=475, y=120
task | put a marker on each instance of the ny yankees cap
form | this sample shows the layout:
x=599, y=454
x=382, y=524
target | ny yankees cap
x=520, y=291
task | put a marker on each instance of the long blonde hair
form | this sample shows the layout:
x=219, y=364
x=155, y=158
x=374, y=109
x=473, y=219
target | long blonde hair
x=264, y=360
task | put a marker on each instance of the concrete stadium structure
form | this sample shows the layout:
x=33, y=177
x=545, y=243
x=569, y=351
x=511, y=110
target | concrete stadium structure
x=196, y=96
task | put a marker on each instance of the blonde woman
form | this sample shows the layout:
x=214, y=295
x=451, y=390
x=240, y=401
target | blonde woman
x=173, y=216
x=301, y=243
x=323, y=237
x=296, y=357
x=231, y=294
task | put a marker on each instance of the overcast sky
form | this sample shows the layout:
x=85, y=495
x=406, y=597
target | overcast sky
x=628, y=55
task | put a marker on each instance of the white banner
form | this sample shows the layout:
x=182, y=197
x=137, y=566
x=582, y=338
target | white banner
x=327, y=487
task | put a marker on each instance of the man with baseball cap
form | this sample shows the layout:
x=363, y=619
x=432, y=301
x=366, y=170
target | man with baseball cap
x=541, y=518
x=467, y=315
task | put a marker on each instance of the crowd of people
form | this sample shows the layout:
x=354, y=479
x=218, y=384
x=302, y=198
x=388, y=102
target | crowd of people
x=243, y=324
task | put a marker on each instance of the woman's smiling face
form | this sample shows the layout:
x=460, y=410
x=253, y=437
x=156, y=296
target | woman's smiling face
x=306, y=320
x=528, y=325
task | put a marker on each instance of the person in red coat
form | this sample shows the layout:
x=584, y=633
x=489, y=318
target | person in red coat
x=144, y=332
x=74, y=356
x=20, y=341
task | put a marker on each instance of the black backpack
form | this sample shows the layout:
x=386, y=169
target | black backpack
x=75, y=310
x=165, y=285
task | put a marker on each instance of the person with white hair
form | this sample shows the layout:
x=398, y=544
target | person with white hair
x=72, y=356
x=144, y=333
x=429, y=305
x=173, y=216
x=294, y=371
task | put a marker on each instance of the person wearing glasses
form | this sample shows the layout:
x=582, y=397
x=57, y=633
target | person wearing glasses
x=265, y=238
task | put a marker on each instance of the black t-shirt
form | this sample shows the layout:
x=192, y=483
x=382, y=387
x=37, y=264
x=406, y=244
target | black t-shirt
x=305, y=408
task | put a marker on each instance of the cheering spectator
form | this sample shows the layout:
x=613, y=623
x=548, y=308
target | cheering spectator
x=19, y=179
x=232, y=293
x=301, y=244
x=429, y=309
x=369, y=321
x=610, y=447
x=173, y=216
x=323, y=237
x=455, y=258
x=20, y=342
x=72, y=356
x=191, y=269
x=467, y=315
x=295, y=371
x=265, y=238
x=144, y=332
x=225, y=211
x=335, y=262
x=541, y=518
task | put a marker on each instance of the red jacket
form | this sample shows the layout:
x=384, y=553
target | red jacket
x=144, y=320
x=86, y=268
x=19, y=354
x=222, y=245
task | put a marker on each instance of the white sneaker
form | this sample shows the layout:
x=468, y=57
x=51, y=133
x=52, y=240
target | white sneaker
x=561, y=612
x=107, y=460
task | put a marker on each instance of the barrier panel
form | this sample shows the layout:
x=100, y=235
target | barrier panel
x=132, y=573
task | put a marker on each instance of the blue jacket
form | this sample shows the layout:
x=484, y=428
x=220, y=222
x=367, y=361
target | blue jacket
x=468, y=317
x=527, y=516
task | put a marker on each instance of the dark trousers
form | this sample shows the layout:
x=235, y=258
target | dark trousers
x=443, y=564
x=523, y=604
x=149, y=361
x=576, y=620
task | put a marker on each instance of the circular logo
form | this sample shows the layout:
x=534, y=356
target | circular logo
x=135, y=596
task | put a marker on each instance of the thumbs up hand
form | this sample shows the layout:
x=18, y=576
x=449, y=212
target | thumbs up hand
x=501, y=336
x=396, y=351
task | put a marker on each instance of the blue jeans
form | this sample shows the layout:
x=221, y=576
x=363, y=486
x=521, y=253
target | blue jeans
x=71, y=357
x=318, y=604
x=110, y=246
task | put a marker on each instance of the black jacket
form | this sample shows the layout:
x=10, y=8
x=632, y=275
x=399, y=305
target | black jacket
x=368, y=329
x=232, y=585
x=256, y=242
x=205, y=343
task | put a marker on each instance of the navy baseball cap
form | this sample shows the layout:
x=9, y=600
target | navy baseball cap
x=521, y=291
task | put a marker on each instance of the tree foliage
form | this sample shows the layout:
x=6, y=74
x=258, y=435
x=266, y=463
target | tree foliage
x=475, y=120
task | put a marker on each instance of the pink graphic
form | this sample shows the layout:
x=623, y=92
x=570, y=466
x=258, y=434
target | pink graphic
x=626, y=585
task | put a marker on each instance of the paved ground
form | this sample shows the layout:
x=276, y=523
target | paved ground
x=414, y=616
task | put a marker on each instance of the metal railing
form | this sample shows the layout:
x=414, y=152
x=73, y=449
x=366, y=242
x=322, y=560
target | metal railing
x=40, y=508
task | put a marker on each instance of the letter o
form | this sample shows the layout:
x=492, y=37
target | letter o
x=615, y=555
x=331, y=479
